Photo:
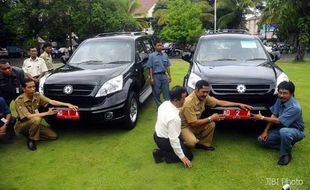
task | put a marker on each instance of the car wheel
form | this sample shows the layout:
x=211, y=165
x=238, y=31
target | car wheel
x=131, y=111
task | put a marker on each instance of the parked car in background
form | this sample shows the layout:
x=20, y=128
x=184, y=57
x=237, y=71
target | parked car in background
x=106, y=77
x=237, y=67
x=15, y=51
x=4, y=52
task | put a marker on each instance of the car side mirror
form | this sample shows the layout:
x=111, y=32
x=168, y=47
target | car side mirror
x=274, y=58
x=187, y=56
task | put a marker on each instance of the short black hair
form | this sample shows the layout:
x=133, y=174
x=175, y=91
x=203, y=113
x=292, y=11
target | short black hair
x=27, y=80
x=176, y=93
x=287, y=85
x=158, y=41
x=47, y=45
x=4, y=61
x=200, y=84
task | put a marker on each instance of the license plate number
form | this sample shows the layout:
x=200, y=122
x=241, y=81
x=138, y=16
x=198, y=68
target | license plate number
x=68, y=114
x=237, y=114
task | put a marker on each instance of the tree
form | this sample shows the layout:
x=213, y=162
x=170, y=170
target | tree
x=183, y=23
x=232, y=13
x=56, y=20
x=293, y=21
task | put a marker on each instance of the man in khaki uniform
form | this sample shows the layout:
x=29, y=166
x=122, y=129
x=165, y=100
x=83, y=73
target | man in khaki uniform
x=198, y=132
x=29, y=118
x=46, y=55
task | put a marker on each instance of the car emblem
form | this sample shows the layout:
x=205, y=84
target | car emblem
x=68, y=89
x=241, y=88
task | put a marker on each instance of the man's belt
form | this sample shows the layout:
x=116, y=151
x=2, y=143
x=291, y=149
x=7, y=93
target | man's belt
x=160, y=73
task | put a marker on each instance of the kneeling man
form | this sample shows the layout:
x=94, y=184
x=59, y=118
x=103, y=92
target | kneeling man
x=168, y=129
x=288, y=123
x=29, y=118
x=198, y=132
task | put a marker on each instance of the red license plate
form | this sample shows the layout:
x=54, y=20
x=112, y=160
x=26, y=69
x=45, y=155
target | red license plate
x=68, y=114
x=237, y=114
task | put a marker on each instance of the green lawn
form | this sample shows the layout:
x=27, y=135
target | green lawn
x=111, y=158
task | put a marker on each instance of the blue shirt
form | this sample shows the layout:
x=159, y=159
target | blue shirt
x=159, y=62
x=289, y=113
x=4, y=109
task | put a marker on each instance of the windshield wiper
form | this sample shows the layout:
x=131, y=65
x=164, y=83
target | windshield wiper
x=117, y=62
x=224, y=59
x=255, y=59
x=87, y=62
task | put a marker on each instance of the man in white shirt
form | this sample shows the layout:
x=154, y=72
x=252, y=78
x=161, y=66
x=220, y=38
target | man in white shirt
x=168, y=129
x=34, y=67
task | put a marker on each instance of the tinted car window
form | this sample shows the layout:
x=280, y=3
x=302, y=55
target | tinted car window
x=149, y=47
x=140, y=47
x=103, y=52
x=213, y=51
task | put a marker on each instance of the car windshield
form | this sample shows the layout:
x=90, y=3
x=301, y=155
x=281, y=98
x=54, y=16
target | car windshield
x=218, y=51
x=101, y=52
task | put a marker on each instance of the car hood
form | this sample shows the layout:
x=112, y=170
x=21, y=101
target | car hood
x=75, y=75
x=253, y=73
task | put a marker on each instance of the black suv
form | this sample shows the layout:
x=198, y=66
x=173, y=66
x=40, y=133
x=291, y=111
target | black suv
x=237, y=67
x=106, y=77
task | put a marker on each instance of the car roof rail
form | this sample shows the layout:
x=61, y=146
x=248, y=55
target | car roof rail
x=121, y=33
x=228, y=31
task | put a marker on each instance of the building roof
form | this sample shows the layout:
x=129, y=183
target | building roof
x=146, y=5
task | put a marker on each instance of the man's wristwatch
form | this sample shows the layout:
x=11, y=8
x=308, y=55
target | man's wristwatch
x=209, y=119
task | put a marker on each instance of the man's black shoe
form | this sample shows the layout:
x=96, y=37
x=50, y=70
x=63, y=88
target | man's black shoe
x=285, y=159
x=207, y=148
x=31, y=144
x=157, y=156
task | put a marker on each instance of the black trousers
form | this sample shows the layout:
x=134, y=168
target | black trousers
x=167, y=151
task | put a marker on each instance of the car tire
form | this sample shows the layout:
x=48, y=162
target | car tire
x=131, y=111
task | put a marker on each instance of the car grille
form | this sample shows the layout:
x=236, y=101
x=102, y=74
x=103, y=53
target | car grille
x=81, y=102
x=222, y=89
x=78, y=90
x=81, y=95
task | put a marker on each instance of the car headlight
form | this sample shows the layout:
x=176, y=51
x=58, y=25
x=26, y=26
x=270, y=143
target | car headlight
x=282, y=77
x=192, y=79
x=41, y=84
x=111, y=86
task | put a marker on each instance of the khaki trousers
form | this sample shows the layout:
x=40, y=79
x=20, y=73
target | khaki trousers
x=33, y=129
x=200, y=134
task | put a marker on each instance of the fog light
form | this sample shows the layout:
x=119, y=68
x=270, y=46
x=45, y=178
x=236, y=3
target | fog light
x=108, y=115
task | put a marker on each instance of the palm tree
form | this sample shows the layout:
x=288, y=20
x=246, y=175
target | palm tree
x=232, y=13
x=130, y=6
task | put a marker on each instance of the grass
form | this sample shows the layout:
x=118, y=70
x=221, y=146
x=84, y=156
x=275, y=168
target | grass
x=110, y=158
